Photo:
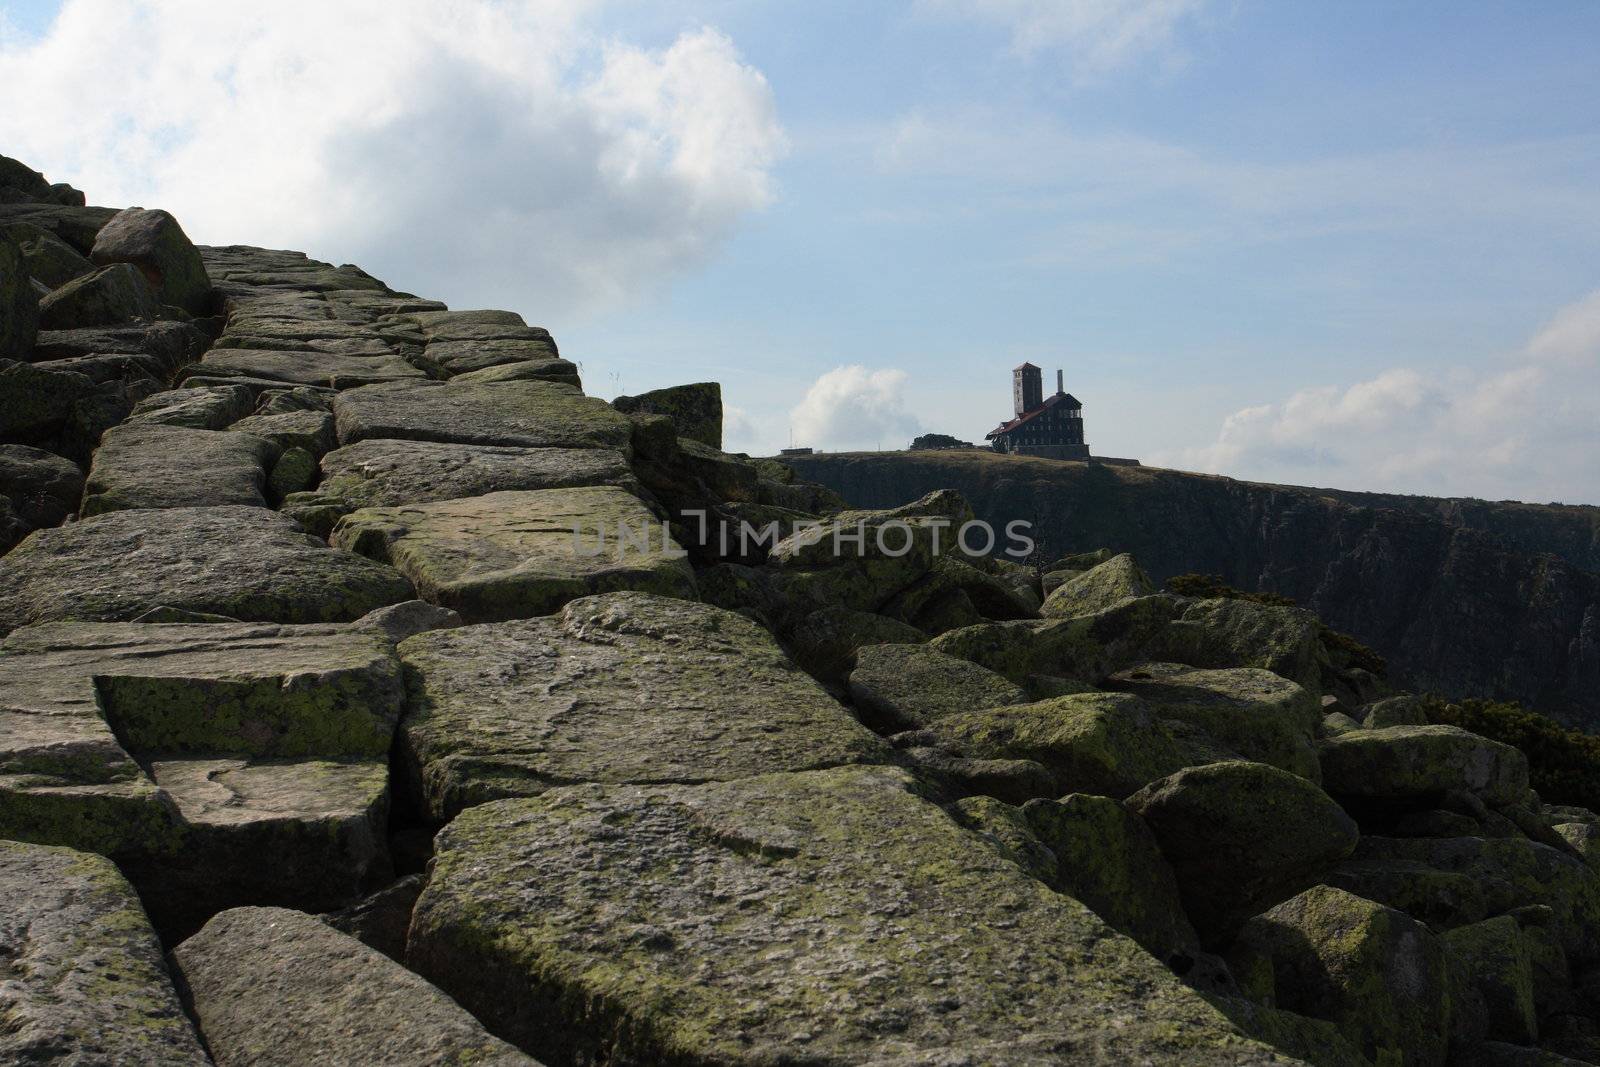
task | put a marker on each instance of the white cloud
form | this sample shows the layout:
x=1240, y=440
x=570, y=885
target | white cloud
x=854, y=408
x=1522, y=431
x=1099, y=35
x=480, y=152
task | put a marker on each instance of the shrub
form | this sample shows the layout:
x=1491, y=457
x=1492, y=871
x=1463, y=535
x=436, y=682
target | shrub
x=1211, y=586
x=1564, y=764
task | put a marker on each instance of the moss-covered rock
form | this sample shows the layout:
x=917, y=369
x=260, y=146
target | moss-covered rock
x=833, y=916
x=624, y=687
x=1260, y=715
x=37, y=489
x=1418, y=761
x=1103, y=586
x=328, y=369
x=1241, y=837
x=278, y=988
x=530, y=414
x=544, y=370
x=1374, y=971
x=695, y=410
x=1006, y=828
x=19, y=305
x=200, y=408
x=828, y=641
x=85, y=983
x=1314, y=1041
x=45, y=257
x=517, y=554
x=242, y=562
x=146, y=466
x=1512, y=872
x=1088, y=647
x=110, y=295
x=907, y=686
x=1491, y=959
x=1226, y=632
x=1107, y=858
x=307, y=429
x=450, y=359
x=1103, y=743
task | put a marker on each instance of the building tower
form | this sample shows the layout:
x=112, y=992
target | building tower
x=1027, y=389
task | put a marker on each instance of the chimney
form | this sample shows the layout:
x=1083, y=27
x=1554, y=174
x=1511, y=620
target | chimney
x=1060, y=388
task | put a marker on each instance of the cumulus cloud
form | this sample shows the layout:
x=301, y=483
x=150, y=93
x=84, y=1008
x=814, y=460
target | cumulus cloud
x=478, y=151
x=1522, y=429
x=854, y=408
x=1099, y=35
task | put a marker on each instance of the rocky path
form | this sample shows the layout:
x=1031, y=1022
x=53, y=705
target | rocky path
x=328, y=736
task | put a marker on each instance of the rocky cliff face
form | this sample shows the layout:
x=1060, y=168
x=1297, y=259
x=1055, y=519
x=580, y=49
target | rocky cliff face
x=369, y=694
x=1464, y=597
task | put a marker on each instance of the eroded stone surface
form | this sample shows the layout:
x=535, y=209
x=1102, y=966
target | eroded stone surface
x=37, y=489
x=518, y=554
x=332, y=369
x=273, y=987
x=624, y=687
x=832, y=916
x=1411, y=761
x=241, y=562
x=84, y=981
x=1103, y=586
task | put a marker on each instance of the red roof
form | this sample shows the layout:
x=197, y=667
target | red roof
x=1060, y=398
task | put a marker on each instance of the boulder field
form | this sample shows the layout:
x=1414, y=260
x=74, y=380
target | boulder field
x=371, y=694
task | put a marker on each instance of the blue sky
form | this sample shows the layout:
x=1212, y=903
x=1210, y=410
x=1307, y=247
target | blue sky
x=1346, y=244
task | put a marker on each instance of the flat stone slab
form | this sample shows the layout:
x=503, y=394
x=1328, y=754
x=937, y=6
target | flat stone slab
x=381, y=473
x=529, y=414
x=276, y=988
x=211, y=407
x=307, y=429
x=84, y=979
x=241, y=562
x=514, y=555
x=1416, y=761
x=331, y=369
x=149, y=466
x=831, y=917
x=76, y=697
x=624, y=687
x=306, y=834
x=450, y=358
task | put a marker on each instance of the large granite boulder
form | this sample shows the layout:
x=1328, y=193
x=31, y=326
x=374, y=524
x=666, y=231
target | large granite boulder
x=1256, y=713
x=84, y=980
x=307, y=429
x=110, y=295
x=239, y=562
x=35, y=403
x=19, y=304
x=1491, y=968
x=1241, y=837
x=530, y=414
x=153, y=242
x=1403, y=762
x=1241, y=633
x=624, y=687
x=826, y=917
x=448, y=359
x=1104, y=743
x=545, y=370
x=695, y=410
x=273, y=987
x=1107, y=858
x=153, y=466
x=1378, y=974
x=514, y=555
x=1086, y=647
x=909, y=686
x=37, y=489
x=1106, y=585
